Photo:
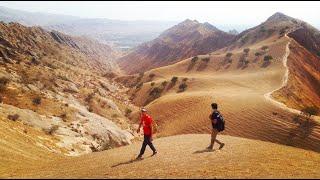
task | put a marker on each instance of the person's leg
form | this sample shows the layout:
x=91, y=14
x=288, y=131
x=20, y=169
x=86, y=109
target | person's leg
x=143, y=147
x=216, y=140
x=149, y=142
x=212, y=140
x=214, y=134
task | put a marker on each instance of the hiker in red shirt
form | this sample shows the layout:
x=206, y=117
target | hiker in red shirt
x=146, y=122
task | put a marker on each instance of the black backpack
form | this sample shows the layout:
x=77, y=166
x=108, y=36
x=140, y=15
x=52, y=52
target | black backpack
x=220, y=122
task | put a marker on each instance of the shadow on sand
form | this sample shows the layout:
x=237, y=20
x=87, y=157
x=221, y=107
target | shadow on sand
x=203, y=151
x=130, y=161
x=126, y=162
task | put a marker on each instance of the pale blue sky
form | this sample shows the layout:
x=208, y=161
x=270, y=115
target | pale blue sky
x=223, y=13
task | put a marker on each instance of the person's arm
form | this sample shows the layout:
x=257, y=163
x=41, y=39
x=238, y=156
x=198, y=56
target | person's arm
x=214, y=120
x=138, y=130
x=151, y=131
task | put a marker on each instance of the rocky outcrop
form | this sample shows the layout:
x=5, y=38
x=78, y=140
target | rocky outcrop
x=90, y=132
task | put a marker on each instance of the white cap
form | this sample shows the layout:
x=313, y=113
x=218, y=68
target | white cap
x=143, y=109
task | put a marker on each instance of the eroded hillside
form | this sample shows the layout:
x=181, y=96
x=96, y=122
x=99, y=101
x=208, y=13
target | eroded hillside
x=62, y=87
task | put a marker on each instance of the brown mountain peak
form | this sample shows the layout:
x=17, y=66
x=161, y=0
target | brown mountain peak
x=188, y=21
x=278, y=16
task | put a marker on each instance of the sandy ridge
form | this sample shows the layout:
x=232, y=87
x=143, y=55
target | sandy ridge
x=268, y=96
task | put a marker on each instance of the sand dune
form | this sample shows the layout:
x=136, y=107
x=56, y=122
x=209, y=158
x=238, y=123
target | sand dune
x=184, y=156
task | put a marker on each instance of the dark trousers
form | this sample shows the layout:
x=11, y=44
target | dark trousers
x=146, y=141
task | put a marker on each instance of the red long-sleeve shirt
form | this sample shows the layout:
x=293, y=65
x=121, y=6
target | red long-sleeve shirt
x=146, y=121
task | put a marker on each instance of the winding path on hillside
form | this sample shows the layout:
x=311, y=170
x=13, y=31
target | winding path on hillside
x=268, y=95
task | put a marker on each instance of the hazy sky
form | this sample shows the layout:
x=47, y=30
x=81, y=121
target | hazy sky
x=223, y=13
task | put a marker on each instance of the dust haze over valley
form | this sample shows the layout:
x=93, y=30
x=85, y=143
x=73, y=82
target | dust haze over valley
x=71, y=90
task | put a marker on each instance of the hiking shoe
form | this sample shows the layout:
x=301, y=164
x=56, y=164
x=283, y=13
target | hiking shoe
x=139, y=158
x=210, y=147
x=221, y=146
x=154, y=153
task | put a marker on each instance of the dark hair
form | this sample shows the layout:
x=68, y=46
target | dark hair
x=214, y=106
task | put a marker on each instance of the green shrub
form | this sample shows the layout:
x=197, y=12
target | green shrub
x=128, y=112
x=246, y=51
x=36, y=101
x=174, y=79
x=257, y=54
x=13, y=117
x=264, y=48
x=155, y=92
x=35, y=61
x=206, y=59
x=183, y=87
x=3, y=83
x=184, y=79
x=318, y=53
x=63, y=116
x=309, y=111
x=228, y=55
x=164, y=83
x=194, y=59
x=282, y=31
x=51, y=130
x=267, y=58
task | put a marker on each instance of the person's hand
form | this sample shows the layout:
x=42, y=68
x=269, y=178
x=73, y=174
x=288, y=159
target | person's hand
x=151, y=139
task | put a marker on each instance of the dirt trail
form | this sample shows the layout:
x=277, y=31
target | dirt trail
x=268, y=96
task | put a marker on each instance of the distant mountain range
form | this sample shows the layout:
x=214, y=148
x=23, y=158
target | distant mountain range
x=116, y=33
x=32, y=18
x=184, y=40
x=190, y=38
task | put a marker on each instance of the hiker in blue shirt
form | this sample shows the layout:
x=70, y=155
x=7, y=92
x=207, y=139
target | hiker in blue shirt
x=217, y=122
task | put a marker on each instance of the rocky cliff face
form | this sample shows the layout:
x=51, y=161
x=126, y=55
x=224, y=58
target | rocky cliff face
x=309, y=37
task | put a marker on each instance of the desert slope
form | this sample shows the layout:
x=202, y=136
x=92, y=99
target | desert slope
x=238, y=88
x=186, y=158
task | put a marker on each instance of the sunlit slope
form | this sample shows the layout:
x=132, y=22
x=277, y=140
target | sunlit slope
x=239, y=91
x=22, y=146
x=184, y=156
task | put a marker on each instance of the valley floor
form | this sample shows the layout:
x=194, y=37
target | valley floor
x=184, y=156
